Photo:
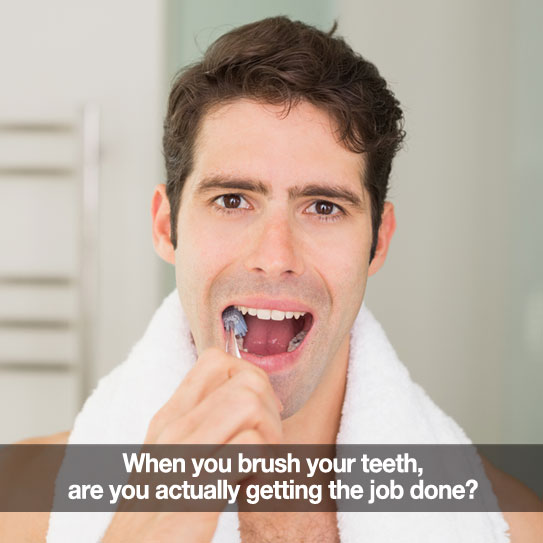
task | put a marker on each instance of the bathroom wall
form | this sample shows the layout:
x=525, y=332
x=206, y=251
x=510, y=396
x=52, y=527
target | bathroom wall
x=57, y=56
x=460, y=295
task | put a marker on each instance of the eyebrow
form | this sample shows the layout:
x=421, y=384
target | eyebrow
x=335, y=192
x=322, y=190
x=221, y=183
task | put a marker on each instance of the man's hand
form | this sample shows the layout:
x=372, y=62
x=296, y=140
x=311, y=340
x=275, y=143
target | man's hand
x=222, y=400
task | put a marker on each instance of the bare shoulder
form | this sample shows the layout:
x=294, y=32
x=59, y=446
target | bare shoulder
x=61, y=438
x=525, y=526
x=31, y=527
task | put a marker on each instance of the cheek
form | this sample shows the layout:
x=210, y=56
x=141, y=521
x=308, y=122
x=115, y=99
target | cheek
x=205, y=238
x=351, y=283
x=199, y=254
x=345, y=258
x=344, y=266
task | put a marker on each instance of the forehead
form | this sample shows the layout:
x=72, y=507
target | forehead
x=254, y=140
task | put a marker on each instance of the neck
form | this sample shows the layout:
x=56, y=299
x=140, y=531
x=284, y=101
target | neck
x=319, y=419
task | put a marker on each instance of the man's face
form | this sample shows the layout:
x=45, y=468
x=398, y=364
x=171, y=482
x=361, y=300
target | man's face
x=274, y=217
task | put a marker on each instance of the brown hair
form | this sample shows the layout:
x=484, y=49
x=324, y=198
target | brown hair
x=279, y=61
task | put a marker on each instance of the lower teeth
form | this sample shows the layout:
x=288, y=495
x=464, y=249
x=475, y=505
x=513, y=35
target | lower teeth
x=296, y=341
x=293, y=344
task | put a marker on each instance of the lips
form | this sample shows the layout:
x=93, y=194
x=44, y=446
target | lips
x=267, y=337
x=277, y=331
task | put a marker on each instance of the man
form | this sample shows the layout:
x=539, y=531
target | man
x=278, y=149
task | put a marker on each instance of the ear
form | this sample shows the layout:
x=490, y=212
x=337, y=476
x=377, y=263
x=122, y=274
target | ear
x=160, y=211
x=386, y=230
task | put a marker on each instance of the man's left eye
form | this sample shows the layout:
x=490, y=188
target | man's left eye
x=232, y=201
x=322, y=207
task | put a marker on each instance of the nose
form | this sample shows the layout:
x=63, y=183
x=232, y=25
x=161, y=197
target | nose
x=274, y=250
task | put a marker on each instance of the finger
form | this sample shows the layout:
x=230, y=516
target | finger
x=224, y=413
x=258, y=381
x=246, y=437
x=246, y=411
x=212, y=369
x=233, y=397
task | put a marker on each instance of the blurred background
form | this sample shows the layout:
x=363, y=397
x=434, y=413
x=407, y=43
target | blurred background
x=82, y=97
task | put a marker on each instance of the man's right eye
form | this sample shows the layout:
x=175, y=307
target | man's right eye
x=231, y=201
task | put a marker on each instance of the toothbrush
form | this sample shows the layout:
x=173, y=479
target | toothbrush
x=235, y=325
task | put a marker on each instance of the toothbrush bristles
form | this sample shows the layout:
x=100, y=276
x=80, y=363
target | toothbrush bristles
x=232, y=318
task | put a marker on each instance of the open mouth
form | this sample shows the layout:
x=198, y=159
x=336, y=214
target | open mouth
x=271, y=332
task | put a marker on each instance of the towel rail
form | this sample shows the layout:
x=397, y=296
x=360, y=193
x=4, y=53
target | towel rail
x=50, y=301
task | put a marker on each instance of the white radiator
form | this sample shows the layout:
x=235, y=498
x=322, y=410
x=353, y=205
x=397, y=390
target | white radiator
x=49, y=177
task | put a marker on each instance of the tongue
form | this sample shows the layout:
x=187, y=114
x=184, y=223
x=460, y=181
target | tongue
x=267, y=337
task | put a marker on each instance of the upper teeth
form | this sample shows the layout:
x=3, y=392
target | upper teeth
x=267, y=314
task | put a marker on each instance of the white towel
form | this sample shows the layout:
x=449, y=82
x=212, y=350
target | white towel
x=382, y=406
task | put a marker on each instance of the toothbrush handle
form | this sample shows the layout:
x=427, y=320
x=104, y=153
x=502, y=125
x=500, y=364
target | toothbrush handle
x=231, y=344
